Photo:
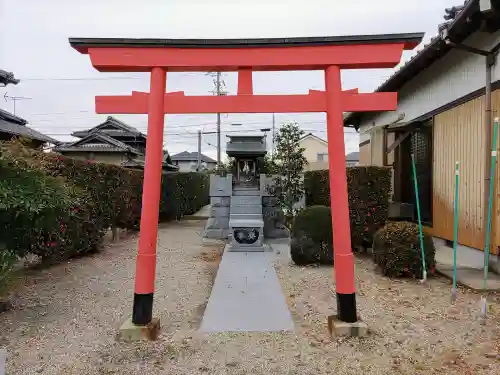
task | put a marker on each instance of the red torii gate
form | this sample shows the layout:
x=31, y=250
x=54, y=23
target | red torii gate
x=329, y=54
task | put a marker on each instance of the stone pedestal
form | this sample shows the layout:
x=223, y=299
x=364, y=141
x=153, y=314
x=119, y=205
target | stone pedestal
x=246, y=234
x=217, y=226
x=131, y=332
x=339, y=328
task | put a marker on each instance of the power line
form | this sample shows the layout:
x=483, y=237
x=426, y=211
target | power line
x=167, y=127
x=97, y=78
x=183, y=127
x=189, y=134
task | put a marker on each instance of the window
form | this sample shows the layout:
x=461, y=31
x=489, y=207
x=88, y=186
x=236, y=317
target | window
x=419, y=143
x=323, y=156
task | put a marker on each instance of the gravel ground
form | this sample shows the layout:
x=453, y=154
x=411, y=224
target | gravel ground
x=66, y=319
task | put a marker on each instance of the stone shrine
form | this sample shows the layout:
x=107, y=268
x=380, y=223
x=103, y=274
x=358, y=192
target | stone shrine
x=241, y=208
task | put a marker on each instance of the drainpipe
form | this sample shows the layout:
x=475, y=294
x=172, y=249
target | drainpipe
x=490, y=57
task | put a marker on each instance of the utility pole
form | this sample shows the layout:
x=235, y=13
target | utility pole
x=218, y=124
x=199, y=151
x=218, y=90
x=272, y=139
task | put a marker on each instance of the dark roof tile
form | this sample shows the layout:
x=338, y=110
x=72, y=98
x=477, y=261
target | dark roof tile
x=191, y=156
x=16, y=126
x=7, y=77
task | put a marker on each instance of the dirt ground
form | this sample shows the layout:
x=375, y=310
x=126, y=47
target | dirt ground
x=66, y=318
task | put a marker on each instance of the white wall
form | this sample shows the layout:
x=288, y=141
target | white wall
x=313, y=147
x=189, y=166
x=455, y=75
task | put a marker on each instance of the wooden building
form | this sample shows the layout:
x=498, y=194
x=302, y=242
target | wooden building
x=441, y=119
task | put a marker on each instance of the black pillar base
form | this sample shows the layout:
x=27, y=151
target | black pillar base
x=346, y=308
x=142, y=311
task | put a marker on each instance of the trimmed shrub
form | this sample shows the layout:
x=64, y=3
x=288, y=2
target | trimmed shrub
x=311, y=236
x=396, y=249
x=368, y=193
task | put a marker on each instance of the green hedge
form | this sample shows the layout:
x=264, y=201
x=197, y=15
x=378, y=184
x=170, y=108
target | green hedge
x=43, y=214
x=58, y=207
x=183, y=194
x=368, y=193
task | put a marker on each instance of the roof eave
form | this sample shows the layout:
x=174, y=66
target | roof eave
x=8, y=78
x=42, y=138
x=395, y=82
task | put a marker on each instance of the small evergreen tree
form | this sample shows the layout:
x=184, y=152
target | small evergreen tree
x=288, y=163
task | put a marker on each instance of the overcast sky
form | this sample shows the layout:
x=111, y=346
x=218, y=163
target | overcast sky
x=61, y=83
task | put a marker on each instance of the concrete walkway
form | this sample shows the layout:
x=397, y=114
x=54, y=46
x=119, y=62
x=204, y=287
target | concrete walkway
x=468, y=272
x=202, y=214
x=247, y=296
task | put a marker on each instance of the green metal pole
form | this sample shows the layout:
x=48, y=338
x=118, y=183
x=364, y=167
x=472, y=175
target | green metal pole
x=417, y=200
x=490, y=209
x=455, y=236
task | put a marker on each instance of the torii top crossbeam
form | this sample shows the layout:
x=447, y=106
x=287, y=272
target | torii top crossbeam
x=245, y=56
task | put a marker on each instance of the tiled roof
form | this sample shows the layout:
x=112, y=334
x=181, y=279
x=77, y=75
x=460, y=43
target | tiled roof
x=461, y=22
x=353, y=156
x=7, y=77
x=191, y=156
x=122, y=129
x=313, y=136
x=16, y=126
x=104, y=143
x=138, y=163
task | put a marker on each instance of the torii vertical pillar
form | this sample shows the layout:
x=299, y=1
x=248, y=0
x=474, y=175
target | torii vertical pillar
x=146, y=258
x=343, y=256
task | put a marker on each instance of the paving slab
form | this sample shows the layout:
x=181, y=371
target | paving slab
x=247, y=296
x=202, y=214
x=470, y=277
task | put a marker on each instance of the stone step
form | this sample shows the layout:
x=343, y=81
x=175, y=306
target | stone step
x=246, y=193
x=246, y=218
x=248, y=249
x=254, y=221
x=237, y=209
x=246, y=200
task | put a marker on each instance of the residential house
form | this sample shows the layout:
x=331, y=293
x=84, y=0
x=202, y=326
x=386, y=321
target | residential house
x=12, y=126
x=441, y=119
x=16, y=127
x=352, y=159
x=316, y=153
x=188, y=161
x=112, y=142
